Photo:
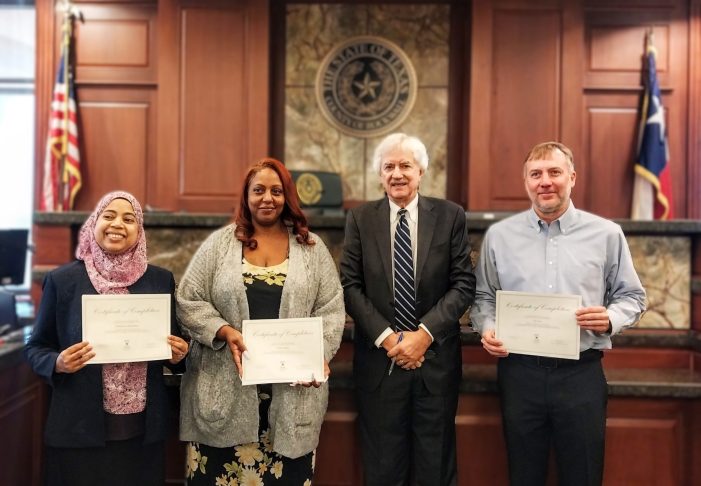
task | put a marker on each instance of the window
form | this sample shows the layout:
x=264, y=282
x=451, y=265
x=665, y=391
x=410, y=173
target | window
x=17, y=54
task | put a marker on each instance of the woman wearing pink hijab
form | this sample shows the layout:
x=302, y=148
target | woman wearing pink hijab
x=107, y=423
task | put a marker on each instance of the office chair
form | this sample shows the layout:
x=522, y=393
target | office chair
x=8, y=311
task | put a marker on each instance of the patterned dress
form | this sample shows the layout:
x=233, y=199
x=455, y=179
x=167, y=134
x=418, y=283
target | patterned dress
x=254, y=464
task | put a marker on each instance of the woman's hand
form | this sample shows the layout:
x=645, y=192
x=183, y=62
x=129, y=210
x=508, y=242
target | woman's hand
x=234, y=340
x=314, y=383
x=178, y=348
x=74, y=358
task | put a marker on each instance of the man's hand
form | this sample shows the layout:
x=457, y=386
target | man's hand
x=409, y=354
x=74, y=358
x=390, y=341
x=493, y=345
x=234, y=340
x=594, y=319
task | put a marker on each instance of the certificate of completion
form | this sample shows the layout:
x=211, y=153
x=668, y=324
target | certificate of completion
x=283, y=350
x=127, y=327
x=538, y=324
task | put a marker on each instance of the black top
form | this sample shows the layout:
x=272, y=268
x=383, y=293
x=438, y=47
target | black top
x=264, y=293
x=76, y=414
x=264, y=289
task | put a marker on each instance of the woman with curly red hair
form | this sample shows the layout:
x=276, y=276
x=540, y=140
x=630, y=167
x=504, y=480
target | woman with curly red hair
x=266, y=265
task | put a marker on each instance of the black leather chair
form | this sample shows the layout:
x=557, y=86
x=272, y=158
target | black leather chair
x=13, y=255
x=8, y=311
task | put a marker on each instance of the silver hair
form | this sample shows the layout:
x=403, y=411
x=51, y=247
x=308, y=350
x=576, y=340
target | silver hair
x=400, y=141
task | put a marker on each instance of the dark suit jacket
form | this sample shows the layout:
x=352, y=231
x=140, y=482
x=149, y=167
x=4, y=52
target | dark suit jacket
x=445, y=287
x=76, y=417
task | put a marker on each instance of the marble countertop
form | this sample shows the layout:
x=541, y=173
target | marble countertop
x=622, y=382
x=477, y=220
x=632, y=338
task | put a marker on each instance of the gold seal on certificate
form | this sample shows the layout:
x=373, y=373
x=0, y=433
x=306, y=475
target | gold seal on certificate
x=538, y=324
x=283, y=350
x=127, y=328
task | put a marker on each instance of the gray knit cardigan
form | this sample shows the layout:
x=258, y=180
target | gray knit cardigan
x=215, y=408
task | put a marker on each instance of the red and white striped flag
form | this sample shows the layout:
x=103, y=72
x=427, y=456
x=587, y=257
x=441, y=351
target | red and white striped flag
x=62, y=178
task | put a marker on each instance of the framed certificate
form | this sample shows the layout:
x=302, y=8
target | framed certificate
x=538, y=324
x=127, y=327
x=283, y=350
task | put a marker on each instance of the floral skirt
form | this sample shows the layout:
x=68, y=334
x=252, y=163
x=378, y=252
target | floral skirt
x=253, y=464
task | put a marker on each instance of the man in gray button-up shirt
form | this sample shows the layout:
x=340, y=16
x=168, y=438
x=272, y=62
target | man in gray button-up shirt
x=555, y=248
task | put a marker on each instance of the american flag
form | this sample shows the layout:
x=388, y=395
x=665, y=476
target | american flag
x=62, y=178
x=652, y=192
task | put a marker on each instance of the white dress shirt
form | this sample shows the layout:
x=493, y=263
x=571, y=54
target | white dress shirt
x=579, y=253
x=412, y=218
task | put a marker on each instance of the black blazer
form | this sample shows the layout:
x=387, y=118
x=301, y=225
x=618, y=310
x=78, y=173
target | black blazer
x=445, y=287
x=76, y=416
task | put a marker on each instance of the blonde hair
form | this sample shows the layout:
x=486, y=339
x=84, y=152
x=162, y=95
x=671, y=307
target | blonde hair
x=545, y=149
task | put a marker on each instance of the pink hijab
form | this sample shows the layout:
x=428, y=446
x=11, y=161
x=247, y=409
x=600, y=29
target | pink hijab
x=123, y=384
x=112, y=274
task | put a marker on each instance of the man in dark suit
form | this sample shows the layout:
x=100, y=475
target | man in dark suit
x=407, y=277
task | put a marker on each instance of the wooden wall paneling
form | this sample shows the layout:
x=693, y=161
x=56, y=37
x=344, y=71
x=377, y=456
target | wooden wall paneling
x=213, y=88
x=114, y=1
x=44, y=80
x=477, y=355
x=22, y=415
x=167, y=140
x=53, y=244
x=515, y=96
x=117, y=127
x=278, y=54
x=611, y=132
x=572, y=102
x=116, y=44
x=479, y=121
x=175, y=449
x=613, y=4
x=676, y=105
x=525, y=105
x=647, y=358
x=696, y=312
x=480, y=443
x=338, y=453
x=693, y=452
x=586, y=93
x=212, y=129
x=458, y=104
x=615, y=43
x=658, y=429
x=694, y=115
x=616, y=46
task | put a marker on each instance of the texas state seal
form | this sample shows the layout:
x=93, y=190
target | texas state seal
x=366, y=86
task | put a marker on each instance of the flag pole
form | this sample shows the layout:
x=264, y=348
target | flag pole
x=65, y=47
x=66, y=193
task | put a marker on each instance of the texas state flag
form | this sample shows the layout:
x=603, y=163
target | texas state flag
x=652, y=193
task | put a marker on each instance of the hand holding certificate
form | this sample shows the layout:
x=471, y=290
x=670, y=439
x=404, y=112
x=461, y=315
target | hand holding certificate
x=283, y=350
x=127, y=327
x=538, y=324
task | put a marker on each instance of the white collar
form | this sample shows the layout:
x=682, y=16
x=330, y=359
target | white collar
x=412, y=209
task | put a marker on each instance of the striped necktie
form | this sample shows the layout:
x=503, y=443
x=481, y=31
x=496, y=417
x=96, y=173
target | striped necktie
x=404, y=295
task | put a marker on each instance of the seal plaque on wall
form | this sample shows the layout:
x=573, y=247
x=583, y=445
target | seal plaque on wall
x=309, y=188
x=366, y=86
